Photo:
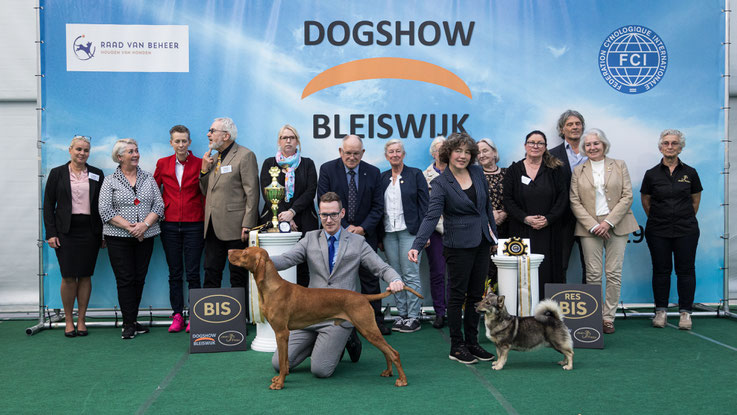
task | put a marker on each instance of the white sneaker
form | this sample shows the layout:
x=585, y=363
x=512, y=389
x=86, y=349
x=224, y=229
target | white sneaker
x=661, y=317
x=684, y=323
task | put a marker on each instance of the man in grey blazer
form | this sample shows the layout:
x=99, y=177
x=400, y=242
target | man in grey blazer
x=333, y=255
x=229, y=181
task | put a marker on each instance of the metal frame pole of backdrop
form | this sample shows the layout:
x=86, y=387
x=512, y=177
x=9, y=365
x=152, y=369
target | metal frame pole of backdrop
x=47, y=320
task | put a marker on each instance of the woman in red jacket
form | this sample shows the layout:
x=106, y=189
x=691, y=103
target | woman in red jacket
x=183, y=227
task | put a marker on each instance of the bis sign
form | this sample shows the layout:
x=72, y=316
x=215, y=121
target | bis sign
x=217, y=320
x=581, y=305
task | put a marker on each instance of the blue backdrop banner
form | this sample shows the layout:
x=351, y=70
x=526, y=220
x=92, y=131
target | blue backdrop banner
x=389, y=69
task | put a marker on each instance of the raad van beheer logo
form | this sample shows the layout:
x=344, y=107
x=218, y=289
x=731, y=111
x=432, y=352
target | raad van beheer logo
x=83, y=49
x=633, y=59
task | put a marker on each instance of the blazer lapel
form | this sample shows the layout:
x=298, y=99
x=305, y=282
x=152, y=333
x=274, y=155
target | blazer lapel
x=66, y=182
x=457, y=187
x=588, y=172
x=609, y=168
x=94, y=184
x=481, y=197
x=361, y=182
x=226, y=161
x=342, y=246
x=322, y=242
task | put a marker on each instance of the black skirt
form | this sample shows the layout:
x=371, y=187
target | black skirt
x=77, y=254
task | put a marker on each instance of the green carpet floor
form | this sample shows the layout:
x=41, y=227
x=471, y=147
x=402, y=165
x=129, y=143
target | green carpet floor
x=641, y=371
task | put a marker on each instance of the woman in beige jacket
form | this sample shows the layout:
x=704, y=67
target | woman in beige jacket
x=601, y=197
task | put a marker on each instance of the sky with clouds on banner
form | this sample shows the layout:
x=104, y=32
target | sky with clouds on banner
x=525, y=64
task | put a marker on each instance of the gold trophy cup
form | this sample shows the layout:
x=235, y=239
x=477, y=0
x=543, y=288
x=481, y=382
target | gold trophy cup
x=274, y=193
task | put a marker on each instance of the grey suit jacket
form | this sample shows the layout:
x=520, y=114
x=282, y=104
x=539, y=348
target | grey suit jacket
x=353, y=251
x=231, y=199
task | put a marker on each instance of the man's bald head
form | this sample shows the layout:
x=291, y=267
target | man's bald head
x=351, y=151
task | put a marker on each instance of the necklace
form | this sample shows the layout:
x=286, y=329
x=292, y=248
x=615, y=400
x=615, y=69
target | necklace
x=492, y=171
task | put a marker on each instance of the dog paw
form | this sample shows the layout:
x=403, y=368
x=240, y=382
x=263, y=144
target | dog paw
x=400, y=382
x=562, y=363
x=497, y=367
x=568, y=367
x=388, y=373
x=276, y=386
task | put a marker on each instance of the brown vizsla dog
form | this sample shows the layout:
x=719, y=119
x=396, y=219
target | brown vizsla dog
x=290, y=306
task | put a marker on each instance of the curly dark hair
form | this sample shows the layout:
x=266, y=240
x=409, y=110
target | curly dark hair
x=457, y=140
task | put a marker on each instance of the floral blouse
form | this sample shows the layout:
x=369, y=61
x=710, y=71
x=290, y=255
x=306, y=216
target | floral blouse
x=495, y=188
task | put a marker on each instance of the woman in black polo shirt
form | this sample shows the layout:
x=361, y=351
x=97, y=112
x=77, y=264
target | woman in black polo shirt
x=670, y=193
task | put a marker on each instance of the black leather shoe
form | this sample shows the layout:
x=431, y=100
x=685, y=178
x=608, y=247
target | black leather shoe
x=72, y=333
x=82, y=333
x=354, y=346
x=384, y=329
x=439, y=322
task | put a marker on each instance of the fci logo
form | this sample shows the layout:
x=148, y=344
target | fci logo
x=633, y=59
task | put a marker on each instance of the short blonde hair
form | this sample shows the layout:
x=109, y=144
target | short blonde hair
x=79, y=138
x=119, y=147
x=392, y=142
x=435, y=144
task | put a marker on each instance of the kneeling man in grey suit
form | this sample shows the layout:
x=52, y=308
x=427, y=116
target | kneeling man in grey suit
x=333, y=256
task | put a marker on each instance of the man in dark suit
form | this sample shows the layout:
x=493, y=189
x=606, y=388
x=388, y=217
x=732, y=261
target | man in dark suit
x=229, y=181
x=357, y=184
x=570, y=127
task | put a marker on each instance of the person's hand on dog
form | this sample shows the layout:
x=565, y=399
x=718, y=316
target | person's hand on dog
x=395, y=286
x=412, y=255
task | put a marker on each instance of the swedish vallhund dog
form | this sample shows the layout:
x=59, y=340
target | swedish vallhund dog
x=507, y=332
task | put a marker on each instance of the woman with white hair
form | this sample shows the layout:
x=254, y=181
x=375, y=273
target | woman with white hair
x=601, y=197
x=130, y=208
x=74, y=229
x=488, y=159
x=434, y=250
x=405, y=203
x=671, y=193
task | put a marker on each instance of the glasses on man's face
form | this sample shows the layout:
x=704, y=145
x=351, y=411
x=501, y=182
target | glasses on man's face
x=352, y=153
x=536, y=143
x=212, y=131
x=329, y=215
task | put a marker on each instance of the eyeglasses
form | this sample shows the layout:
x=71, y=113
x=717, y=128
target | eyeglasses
x=353, y=153
x=670, y=143
x=536, y=144
x=288, y=138
x=333, y=215
x=212, y=131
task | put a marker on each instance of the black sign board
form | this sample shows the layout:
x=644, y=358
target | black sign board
x=217, y=320
x=582, y=307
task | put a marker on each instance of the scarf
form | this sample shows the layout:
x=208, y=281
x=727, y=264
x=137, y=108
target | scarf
x=289, y=164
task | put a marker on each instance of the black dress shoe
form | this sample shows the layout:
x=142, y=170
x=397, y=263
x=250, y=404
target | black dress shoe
x=384, y=329
x=82, y=333
x=439, y=322
x=72, y=333
x=353, y=345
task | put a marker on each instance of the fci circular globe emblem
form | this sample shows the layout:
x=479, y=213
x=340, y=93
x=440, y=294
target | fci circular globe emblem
x=633, y=59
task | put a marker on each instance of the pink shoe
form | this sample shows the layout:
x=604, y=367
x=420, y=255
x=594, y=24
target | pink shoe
x=188, y=327
x=178, y=324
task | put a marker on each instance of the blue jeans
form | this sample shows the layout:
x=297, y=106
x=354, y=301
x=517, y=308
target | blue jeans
x=182, y=239
x=396, y=246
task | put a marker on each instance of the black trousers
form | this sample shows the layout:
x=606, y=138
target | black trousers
x=182, y=240
x=467, y=270
x=567, y=238
x=665, y=252
x=216, y=255
x=129, y=259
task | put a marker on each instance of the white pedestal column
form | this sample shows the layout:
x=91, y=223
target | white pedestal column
x=508, y=281
x=274, y=244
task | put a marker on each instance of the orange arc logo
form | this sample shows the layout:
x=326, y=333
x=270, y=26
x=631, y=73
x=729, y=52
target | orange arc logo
x=204, y=338
x=386, y=68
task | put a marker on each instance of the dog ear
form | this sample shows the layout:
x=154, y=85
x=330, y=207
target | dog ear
x=500, y=301
x=259, y=269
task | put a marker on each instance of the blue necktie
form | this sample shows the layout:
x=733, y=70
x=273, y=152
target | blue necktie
x=331, y=252
x=352, y=197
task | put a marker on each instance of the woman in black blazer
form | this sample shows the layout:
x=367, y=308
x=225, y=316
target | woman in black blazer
x=74, y=229
x=405, y=202
x=461, y=195
x=299, y=176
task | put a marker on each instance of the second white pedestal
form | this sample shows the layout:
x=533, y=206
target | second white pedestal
x=508, y=282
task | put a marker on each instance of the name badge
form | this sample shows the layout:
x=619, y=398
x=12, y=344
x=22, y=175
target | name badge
x=93, y=176
x=226, y=169
x=526, y=180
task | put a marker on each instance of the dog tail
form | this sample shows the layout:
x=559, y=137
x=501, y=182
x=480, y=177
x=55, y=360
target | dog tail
x=547, y=310
x=372, y=297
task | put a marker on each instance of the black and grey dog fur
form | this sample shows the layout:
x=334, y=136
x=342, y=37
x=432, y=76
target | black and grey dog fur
x=509, y=332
